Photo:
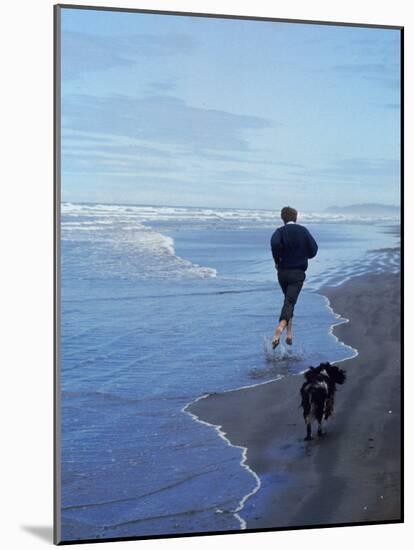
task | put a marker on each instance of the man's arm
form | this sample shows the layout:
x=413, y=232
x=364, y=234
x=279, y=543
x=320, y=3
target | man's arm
x=276, y=244
x=312, y=246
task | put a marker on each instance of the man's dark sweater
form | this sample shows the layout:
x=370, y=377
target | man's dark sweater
x=292, y=246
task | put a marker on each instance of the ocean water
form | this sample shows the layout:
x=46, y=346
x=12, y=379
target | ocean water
x=159, y=306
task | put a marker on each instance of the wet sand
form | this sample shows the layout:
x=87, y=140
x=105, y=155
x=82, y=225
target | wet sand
x=351, y=474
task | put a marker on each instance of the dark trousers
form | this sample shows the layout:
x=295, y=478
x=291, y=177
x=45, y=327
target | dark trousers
x=291, y=282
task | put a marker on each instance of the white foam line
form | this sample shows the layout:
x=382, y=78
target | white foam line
x=248, y=386
x=341, y=320
x=243, y=462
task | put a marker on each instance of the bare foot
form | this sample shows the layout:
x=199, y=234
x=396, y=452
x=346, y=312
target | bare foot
x=276, y=338
x=275, y=342
x=278, y=332
x=289, y=340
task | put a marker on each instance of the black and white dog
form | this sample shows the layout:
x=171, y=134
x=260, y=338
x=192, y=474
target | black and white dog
x=318, y=393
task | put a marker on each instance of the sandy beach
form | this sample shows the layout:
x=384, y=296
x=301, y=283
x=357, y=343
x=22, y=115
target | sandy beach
x=352, y=474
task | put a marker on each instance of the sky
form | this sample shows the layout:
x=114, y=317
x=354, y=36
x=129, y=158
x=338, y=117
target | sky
x=196, y=111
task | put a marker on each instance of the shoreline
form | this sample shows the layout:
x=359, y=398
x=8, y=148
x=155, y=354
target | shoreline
x=352, y=475
x=243, y=461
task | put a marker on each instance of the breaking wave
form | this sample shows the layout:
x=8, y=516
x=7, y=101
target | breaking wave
x=119, y=244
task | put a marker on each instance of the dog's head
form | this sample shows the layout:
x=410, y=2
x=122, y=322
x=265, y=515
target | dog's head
x=312, y=374
x=336, y=374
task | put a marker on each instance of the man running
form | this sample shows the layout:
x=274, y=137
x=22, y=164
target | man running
x=292, y=246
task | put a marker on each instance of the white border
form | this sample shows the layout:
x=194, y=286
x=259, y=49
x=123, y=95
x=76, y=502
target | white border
x=26, y=306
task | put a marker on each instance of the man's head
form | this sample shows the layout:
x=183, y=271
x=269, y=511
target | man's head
x=288, y=214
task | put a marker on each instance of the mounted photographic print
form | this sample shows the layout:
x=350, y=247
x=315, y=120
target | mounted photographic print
x=227, y=274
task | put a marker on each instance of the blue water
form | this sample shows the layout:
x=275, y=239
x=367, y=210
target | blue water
x=160, y=306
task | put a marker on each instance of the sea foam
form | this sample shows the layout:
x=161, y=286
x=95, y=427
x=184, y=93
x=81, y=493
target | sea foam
x=124, y=244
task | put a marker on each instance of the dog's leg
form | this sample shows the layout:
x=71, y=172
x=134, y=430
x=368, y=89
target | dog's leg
x=308, y=428
x=307, y=414
x=329, y=407
x=319, y=417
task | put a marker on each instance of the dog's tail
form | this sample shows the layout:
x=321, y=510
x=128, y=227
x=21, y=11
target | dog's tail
x=341, y=377
x=336, y=374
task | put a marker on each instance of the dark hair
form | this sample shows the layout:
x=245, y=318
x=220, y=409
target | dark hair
x=288, y=214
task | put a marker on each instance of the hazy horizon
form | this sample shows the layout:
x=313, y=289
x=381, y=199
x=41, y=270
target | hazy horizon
x=209, y=206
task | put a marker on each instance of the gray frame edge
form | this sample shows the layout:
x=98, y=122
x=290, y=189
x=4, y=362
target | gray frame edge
x=230, y=16
x=56, y=274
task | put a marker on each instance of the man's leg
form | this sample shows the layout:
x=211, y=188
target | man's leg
x=289, y=335
x=294, y=280
x=294, y=286
x=279, y=329
x=283, y=282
